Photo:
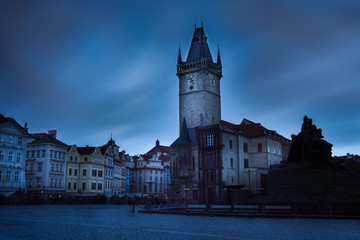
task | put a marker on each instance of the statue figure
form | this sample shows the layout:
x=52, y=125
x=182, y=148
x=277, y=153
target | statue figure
x=309, y=146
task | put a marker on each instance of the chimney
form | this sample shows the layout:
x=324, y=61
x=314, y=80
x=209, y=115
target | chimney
x=157, y=143
x=52, y=133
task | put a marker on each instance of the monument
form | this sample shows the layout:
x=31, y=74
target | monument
x=311, y=175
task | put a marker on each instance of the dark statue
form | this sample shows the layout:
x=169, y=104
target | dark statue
x=310, y=147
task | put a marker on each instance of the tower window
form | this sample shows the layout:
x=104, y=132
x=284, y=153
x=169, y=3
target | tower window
x=210, y=140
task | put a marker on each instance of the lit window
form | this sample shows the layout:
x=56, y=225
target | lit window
x=210, y=140
x=38, y=182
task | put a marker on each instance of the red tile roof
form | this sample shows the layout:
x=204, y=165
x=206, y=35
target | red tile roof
x=252, y=129
x=46, y=138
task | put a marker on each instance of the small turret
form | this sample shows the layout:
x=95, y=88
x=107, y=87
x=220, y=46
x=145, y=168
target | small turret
x=179, y=61
x=218, y=62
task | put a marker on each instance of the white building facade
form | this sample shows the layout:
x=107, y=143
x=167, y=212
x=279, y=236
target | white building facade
x=13, y=139
x=150, y=172
x=46, y=159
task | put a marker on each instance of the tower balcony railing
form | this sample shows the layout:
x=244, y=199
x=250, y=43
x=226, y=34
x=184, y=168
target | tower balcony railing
x=199, y=64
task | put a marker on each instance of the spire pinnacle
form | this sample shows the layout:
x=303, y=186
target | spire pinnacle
x=202, y=21
x=218, y=62
x=179, y=61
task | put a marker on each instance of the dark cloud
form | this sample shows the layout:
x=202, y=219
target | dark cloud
x=89, y=68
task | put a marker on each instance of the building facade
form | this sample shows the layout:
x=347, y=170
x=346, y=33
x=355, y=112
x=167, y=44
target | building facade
x=151, y=171
x=85, y=171
x=211, y=154
x=13, y=139
x=46, y=159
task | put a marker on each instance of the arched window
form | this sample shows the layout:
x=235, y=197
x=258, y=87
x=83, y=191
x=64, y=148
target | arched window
x=259, y=147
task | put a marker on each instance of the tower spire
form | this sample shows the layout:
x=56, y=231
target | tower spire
x=195, y=22
x=202, y=21
x=179, y=61
x=218, y=62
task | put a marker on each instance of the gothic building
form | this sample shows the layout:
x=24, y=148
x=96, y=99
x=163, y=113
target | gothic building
x=211, y=154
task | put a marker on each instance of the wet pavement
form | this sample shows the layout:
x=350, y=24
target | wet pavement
x=119, y=222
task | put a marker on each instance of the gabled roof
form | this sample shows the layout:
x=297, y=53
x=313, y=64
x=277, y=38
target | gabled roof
x=252, y=129
x=199, y=48
x=8, y=119
x=86, y=150
x=46, y=138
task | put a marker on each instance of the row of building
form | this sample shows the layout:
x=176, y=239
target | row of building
x=44, y=167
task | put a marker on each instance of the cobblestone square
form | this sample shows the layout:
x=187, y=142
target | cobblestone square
x=118, y=222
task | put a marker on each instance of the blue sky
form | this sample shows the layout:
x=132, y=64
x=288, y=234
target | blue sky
x=92, y=68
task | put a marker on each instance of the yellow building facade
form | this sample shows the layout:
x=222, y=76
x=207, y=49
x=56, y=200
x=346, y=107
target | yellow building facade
x=85, y=171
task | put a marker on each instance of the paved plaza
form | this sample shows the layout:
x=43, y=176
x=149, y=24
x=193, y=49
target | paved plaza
x=118, y=222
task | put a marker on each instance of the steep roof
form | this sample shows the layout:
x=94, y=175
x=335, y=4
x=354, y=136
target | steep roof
x=187, y=135
x=199, y=48
x=46, y=138
x=252, y=129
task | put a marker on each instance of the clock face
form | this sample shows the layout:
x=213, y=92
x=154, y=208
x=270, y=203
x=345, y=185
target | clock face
x=191, y=79
x=212, y=80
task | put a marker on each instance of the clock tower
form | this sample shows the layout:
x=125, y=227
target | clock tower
x=199, y=84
